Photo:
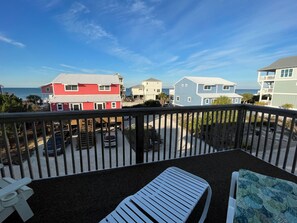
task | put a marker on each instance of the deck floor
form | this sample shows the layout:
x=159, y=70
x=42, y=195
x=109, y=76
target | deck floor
x=89, y=197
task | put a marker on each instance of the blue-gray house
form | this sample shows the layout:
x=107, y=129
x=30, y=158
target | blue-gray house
x=203, y=91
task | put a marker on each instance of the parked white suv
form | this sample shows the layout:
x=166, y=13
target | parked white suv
x=109, y=139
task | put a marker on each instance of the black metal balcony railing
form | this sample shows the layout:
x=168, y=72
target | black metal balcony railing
x=41, y=145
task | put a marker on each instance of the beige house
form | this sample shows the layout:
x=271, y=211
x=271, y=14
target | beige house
x=278, y=82
x=137, y=91
x=148, y=90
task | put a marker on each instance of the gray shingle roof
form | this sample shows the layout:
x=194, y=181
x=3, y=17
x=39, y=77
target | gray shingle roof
x=286, y=62
x=152, y=80
x=102, y=79
x=138, y=86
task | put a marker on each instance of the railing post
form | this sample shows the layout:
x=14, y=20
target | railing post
x=239, y=127
x=139, y=119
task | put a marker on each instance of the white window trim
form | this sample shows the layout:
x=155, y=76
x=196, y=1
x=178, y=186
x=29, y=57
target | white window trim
x=104, y=86
x=80, y=105
x=99, y=103
x=207, y=88
x=62, y=109
x=284, y=73
x=70, y=85
x=235, y=100
x=177, y=98
x=228, y=89
x=113, y=104
x=189, y=99
x=206, y=101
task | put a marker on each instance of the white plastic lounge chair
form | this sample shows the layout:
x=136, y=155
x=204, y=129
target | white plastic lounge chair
x=170, y=197
x=232, y=200
x=13, y=196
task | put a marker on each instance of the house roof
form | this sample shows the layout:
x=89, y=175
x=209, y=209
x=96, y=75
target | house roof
x=138, y=86
x=286, y=62
x=102, y=79
x=209, y=80
x=83, y=98
x=216, y=95
x=152, y=80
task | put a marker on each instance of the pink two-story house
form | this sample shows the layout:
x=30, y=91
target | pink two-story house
x=83, y=92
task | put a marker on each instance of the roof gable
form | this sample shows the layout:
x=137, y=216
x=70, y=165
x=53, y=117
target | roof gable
x=286, y=62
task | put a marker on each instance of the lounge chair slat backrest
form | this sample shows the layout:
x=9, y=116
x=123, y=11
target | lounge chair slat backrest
x=170, y=197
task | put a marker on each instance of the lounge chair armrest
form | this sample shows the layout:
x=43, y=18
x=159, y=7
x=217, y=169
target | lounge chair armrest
x=233, y=184
x=14, y=186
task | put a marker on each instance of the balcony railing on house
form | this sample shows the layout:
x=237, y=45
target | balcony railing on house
x=48, y=144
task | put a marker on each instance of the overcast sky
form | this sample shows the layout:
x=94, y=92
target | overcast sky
x=163, y=39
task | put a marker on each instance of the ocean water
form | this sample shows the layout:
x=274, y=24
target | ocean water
x=242, y=91
x=23, y=92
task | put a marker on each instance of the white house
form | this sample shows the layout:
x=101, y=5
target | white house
x=148, y=90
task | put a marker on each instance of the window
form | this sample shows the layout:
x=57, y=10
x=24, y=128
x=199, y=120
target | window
x=75, y=107
x=207, y=87
x=104, y=87
x=287, y=73
x=71, y=87
x=158, y=90
x=59, y=107
x=189, y=99
x=236, y=100
x=99, y=106
x=182, y=85
x=226, y=87
x=186, y=85
x=113, y=105
x=177, y=98
x=206, y=101
x=47, y=89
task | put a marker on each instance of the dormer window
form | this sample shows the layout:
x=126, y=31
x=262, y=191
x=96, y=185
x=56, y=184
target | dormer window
x=226, y=87
x=104, y=87
x=71, y=87
x=207, y=87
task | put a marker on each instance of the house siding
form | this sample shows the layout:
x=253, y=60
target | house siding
x=184, y=89
x=280, y=99
x=85, y=89
x=47, y=89
x=221, y=90
x=285, y=86
x=202, y=90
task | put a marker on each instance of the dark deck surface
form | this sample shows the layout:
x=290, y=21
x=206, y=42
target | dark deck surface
x=91, y=196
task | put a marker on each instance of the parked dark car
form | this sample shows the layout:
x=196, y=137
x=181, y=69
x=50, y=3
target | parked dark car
x=59, y=148
x=110, y=139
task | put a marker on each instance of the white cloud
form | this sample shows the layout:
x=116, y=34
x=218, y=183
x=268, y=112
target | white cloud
x=74, y=21
x=11, y=41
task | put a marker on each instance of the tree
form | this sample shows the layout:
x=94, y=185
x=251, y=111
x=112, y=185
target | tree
x=35, y=99
x=247, y=97
x=222, y=100
x=11, y=103
x=163, y=98
x=287, y=106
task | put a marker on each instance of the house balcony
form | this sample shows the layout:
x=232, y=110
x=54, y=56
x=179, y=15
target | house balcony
x=266, y=91
x=269, y=77
x=90, y=177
